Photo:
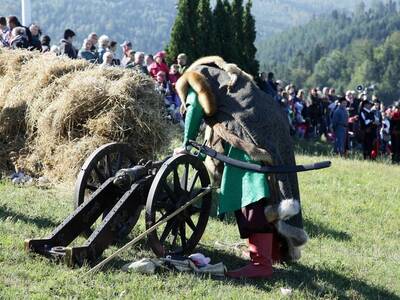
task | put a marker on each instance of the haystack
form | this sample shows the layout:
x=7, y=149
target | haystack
x=55, y=111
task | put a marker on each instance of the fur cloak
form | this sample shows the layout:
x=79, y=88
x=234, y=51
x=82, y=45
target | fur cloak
x=239, y=113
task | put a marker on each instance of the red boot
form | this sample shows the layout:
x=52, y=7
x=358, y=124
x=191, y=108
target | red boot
x=260, y=266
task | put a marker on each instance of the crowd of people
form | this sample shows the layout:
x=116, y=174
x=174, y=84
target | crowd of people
x=356, y=118
x=347, y=121
x=100, y=50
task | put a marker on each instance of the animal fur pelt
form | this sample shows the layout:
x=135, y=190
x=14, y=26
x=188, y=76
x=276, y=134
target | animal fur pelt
x=239, y=113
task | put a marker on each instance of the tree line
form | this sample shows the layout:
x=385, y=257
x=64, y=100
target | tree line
x=228, y=30
x=341, y=50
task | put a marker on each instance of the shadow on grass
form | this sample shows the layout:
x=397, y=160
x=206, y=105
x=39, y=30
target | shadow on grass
x=310, y=280
x=319, y=282
x=40, y=222
x=319, y=230
x=326, y=282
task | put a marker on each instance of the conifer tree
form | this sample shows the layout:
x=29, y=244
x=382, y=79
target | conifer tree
x=181, y=34
x=250, y=63
x=238, y=34
x=229, y=49
x=204, y=30
x=218, y=26
x=193, y=24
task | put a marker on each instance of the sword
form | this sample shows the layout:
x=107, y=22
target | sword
x=281, y=169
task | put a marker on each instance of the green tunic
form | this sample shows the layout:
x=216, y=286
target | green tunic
x=239, y=187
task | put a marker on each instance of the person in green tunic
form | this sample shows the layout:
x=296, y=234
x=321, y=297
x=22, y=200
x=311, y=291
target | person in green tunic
x=239, y=187
x=243, y=192
x=247, y=126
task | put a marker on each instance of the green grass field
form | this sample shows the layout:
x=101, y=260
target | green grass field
x=352, y=214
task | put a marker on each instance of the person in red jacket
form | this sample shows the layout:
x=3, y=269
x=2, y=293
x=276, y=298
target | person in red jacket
x=158, y=65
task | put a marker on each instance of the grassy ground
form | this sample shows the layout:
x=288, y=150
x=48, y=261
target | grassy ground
x=351, y=214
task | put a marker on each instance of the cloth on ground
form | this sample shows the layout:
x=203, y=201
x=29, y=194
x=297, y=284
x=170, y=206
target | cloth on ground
x=150, y=266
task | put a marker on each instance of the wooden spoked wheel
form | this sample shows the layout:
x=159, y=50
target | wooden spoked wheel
x=179, y=180
x=102, y=164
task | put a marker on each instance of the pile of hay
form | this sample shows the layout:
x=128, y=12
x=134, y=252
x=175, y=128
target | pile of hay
x=55, y=111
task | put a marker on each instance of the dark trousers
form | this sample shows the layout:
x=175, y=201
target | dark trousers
x=368, y=144
x=251, y=219
x=340, y=139
x=395, y=148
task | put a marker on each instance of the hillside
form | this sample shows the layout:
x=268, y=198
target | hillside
x=350, y=214
x=148, y=23
x=330, y=49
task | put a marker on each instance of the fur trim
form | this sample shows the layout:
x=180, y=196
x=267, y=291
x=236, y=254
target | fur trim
x=284, y=210
x=297, y=236
x=255, y=153
x=206, y=60
x=232, y=69
x=200, y=85
x=294, y=253
x=288, y=208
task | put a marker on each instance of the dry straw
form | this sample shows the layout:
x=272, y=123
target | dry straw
x=55, y=111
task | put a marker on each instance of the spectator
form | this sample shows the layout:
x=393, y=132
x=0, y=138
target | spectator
x=173, y=78
x=86, y=52
x=148, y=61
x=45, y=41
x=66, y=46
x=332, y=95
x=315, y=112
x=107, y=59
x=130, y=61
x=299, y=119
x=113, y=50
x=182, y=63
x=368, y=129
x=104, y=46
x=384, y=133
x=94, y=40
x=340, y=122
x=174, y=74
x=36, y=33
x=325, y=102
x=332, y=105
x=12, y=22
x=271, y=86
x=159, y=65
x=353, y=103
x=262, y=81
x=162, y=86
x=286, y=108
x=18, y=39
x=395, y=132
x=4, y=32
x=376, y=108
x=138, y=63
x=126, y=48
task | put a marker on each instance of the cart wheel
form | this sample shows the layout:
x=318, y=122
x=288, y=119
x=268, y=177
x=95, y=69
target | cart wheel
x=179, y=180
x=102, y=164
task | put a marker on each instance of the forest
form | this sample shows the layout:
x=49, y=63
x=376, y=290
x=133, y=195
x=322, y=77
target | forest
x=148, y=23
x=341, y=50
